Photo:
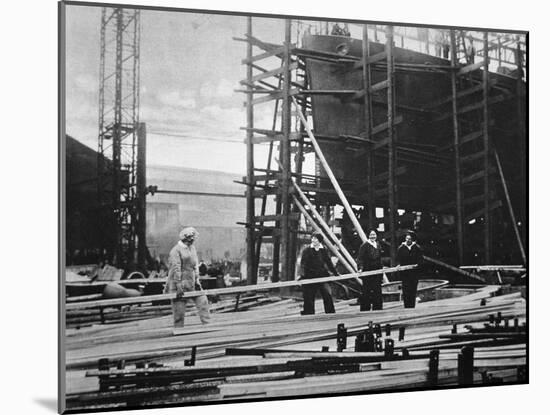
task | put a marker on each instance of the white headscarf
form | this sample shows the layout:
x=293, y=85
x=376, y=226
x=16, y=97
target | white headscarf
x=188, y=232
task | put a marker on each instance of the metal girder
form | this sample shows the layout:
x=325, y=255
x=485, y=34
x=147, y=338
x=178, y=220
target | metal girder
x=121, y=163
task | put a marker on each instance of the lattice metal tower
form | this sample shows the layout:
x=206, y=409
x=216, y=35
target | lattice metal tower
x=119, y=147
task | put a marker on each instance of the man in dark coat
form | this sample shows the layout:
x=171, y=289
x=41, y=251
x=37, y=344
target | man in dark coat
x=370, y=258
x=316, y=263
x=409, y=253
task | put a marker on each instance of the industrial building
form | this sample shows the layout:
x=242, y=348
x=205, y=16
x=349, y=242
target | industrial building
x=215, y=217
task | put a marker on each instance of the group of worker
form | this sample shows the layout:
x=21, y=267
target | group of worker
x=316, y=263
x=183, y=275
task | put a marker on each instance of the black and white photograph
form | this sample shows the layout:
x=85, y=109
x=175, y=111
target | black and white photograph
x=259, y=207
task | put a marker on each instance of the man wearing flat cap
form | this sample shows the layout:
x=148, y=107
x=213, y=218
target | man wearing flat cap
x=183, y=276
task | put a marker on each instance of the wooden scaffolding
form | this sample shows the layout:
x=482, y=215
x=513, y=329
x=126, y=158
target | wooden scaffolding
x=477, y=168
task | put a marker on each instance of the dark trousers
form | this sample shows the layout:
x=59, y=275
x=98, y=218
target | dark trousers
x=371, y=296
x=409, y=283
x=309, y=298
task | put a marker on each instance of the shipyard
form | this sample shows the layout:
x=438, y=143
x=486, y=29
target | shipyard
x=358, y=224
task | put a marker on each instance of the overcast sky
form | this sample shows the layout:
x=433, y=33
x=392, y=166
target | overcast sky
x=190, y=66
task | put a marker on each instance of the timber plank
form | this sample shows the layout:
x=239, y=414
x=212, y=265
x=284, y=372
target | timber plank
x=278, y=325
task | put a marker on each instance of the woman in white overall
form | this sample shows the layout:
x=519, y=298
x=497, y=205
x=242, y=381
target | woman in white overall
x=183, y=276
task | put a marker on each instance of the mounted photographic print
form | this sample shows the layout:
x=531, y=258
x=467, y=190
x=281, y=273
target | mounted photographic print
x=261, y=207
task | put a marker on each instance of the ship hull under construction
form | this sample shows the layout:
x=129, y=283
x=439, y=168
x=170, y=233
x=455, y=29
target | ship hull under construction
x=424, y=169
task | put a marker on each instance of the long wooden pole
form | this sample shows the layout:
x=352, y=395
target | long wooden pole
x=234, y=290
x=325, y=227
x=276, y=243
x=520, y=91
x=285, y=155
x=142, y=205
x=456, y=144
x=330, y=174
x=486, y=207
x=510, y=208
x=251, y=276
x=264, y=197
x=371, y=209
x=298, y=164
x=452, y=268
x=391, y=144
x=327, y=242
